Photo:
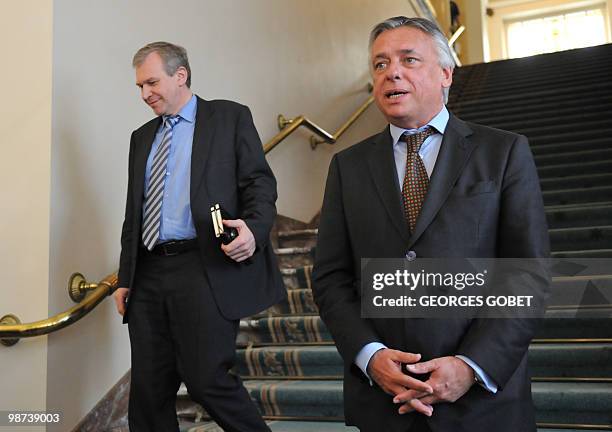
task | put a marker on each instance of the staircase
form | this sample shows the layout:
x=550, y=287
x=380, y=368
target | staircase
x=563, y=103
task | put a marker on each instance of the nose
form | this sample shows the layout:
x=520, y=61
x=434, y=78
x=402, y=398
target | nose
x=393, y=71
x=145, y=92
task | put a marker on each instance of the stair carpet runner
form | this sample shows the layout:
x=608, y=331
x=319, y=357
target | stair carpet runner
x=563, y=103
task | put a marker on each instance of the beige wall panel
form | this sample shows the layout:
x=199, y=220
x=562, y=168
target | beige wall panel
x=25, y=126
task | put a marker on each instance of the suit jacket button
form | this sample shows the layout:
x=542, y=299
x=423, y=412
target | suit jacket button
x=411, y=255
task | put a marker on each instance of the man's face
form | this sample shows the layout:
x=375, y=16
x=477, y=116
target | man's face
x=162, y=92
x=408, y=79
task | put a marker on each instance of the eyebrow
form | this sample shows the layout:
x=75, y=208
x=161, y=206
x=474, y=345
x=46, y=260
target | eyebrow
x=147, y=81
x=402, y=51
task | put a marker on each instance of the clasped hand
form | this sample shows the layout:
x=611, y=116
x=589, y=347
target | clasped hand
x=449, y=379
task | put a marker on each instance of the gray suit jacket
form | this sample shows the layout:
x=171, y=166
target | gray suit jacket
x=484, y=200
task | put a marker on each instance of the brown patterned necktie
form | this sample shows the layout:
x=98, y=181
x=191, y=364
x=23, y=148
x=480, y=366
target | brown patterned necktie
x=416, y=180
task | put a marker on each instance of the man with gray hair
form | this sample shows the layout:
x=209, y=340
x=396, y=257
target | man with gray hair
x=181, y=290
x=433, y=186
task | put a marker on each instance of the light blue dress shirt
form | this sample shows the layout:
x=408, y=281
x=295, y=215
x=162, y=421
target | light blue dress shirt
x=429, y=154
x=176, y=220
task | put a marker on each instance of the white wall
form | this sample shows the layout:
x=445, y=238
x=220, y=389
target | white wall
x=276, y=56
x=25, y=127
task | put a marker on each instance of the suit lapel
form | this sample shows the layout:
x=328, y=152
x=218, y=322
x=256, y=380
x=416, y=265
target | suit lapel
x=454, y=153
x=202, y=139
x=382, y=168
x=140, y=163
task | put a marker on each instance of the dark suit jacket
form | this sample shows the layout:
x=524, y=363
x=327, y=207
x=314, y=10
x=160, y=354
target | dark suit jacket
x=227, y=167
x=483, y=200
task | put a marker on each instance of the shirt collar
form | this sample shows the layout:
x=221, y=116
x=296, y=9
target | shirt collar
x=439, y=123
x=188, y=111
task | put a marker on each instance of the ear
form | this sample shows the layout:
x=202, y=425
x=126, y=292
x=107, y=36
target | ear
x=181, y=75
x=447, y=77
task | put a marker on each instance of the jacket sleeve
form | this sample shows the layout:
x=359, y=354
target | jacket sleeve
x=256, y=182
x=499, y=345
x=125, y=260
x=335, y=282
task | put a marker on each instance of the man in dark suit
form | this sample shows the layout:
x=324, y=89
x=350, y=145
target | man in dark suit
x=432, y=186
x=181, y=291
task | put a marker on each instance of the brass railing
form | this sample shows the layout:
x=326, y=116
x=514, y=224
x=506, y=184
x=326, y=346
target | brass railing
x=11, y=329
x=288, y=126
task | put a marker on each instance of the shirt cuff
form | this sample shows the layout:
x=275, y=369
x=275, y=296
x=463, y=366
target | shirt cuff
x=363, y=357
x=482, y=375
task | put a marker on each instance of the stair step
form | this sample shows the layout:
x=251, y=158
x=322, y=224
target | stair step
x=295, y=256
x=582, y=155
x=578, y=195
x=294, y=238
x=304, y=426
x=575, y=168
x=552, y=136
x=285, y=426
x=538, y=85
x=298, y=233
x=297, y=277
x=308, y=329
x=595, y=253
x=298, y=302
x=498, y=108
x=544, y=110
x=589, y=214
x=558, y=124
x=488, y=103
x=584, y=238
x=546, y=361
x=572, y=146
x=567, y=403
x=562, y=239
x=568, y=291
x=577, y=181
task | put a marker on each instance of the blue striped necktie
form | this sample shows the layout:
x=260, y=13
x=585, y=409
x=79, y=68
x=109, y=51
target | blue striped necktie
x=155, y=191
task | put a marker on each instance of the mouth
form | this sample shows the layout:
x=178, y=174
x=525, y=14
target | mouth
x=395, y=94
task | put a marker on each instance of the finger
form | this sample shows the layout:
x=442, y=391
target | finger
x=120, y=305
x=421, y=368
x=233, y=223
x=418, y=406
x=393, y=389
x=414, y=384
x=430, y=400
x=241, y=258
x=409, y=394
x=234, y=246
x=238, y=252
x=404, y=357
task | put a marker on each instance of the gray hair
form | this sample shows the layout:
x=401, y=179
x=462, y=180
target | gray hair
x=445, y=57
x=173, y=57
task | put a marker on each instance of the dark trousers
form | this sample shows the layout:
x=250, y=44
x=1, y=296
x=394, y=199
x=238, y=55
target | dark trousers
x=178, y=334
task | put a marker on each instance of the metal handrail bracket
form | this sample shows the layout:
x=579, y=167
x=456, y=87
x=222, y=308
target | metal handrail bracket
x=11, y=329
